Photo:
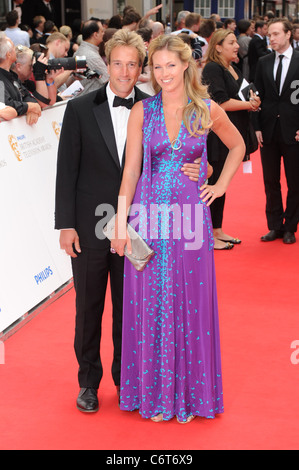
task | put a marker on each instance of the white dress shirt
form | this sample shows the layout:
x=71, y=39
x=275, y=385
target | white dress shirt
x=285, y=64
x=120, y=116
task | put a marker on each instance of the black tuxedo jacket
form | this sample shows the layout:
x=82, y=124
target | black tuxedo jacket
x=257, y=48
x=285, y=105
x=88, y=167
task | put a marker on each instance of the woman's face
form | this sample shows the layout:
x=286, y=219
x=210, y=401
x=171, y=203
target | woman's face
x=168, y=70
x=229, y=48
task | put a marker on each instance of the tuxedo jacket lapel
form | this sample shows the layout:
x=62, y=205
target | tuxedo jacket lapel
x=104, y=121
x=103, y=118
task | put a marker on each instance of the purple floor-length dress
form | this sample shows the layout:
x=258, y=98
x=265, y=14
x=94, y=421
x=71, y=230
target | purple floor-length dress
x=171, y=350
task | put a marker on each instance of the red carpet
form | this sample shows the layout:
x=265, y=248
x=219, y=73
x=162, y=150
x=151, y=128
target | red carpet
x=258, y=301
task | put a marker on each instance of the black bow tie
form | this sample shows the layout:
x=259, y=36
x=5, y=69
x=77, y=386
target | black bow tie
x=128, y=103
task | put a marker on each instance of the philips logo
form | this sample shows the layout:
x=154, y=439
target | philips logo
x=20, y=137
x=43, y=276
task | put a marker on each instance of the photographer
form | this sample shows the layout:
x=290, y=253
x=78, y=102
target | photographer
x=15, y=94
x=58, y=46
x=43, y=86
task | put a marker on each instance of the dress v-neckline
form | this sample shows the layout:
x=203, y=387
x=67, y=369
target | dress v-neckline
x=166, y=130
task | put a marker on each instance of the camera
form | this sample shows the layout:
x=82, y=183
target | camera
x=67, y=63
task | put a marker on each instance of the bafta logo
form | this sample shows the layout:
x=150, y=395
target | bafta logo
x=15, y=147
x=56, y=129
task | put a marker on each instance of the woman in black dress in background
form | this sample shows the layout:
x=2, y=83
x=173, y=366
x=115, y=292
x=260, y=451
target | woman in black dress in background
x=224, y=81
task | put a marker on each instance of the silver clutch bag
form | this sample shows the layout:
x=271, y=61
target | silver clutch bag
x=141, y=252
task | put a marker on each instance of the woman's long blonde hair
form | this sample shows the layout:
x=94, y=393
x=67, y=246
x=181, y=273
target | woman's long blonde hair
x=194, y=90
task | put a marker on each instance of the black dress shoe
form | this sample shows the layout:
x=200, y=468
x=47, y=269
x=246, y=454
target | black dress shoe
x=87, y=400
x=289, y=238
x=272, y=235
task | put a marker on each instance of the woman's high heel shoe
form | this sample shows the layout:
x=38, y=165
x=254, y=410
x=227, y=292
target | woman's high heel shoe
x=188, y=420
x=157, y=418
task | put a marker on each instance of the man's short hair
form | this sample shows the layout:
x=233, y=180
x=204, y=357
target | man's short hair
x=243, y=25
x=259, y=24
x=37, y=20
x=286, y=24
x=145, y=33
x=89, y=28
x=12, y=18
x=5, y=47
x=56, y=36
x=123, y=37
x=207, y=27
x=23, y=54
x=192, y=19
x=229, y=21
x=49, y=27
x=131, y=17
x=182, y=15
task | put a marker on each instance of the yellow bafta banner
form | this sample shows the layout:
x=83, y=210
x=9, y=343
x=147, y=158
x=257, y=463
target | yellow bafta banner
x=32, y=266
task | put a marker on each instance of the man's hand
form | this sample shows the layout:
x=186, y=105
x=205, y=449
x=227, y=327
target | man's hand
x=68, y=240
x=153, y=11
x=192, y=170
x=259, y=137
x=31, y=118
x=34, y=108
x=297, y=136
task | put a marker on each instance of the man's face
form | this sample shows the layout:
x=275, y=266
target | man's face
x=12, y=53
x=124, y=70
x=279, y=39
x=24, y=70
x=264, y=30
x=296, y=34
x=60, y=48
x=99, y=35
x=196, y=27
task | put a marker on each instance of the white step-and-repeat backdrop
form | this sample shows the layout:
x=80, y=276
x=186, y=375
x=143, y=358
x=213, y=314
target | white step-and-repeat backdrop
x=32, y=266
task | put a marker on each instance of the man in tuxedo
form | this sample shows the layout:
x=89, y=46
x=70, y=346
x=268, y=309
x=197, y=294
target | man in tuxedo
x=257, y=47
x=277, y=124
x=89, y=172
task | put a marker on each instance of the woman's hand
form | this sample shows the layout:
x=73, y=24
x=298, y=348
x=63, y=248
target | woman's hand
x=192, y=170
x=121, y=240
x=254, y=101
x=210, y=193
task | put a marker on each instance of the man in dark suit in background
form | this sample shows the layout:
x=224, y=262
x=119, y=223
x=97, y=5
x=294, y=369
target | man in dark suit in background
x=277, y=124
x=89, y=172
x=33, y=8
x=296, y=36
x=257, y=47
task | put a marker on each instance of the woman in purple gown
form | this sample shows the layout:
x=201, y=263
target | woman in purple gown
x=171, y=363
